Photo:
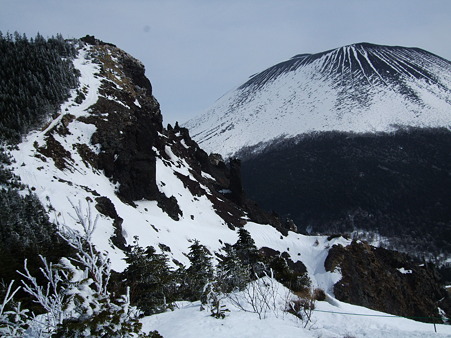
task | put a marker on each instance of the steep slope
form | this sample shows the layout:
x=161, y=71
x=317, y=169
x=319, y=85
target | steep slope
x=360, y=88
x=107, y=151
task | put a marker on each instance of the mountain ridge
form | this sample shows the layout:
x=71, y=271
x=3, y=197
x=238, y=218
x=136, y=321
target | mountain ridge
x=360, y=88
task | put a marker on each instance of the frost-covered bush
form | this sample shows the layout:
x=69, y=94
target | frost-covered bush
x=12, y=321
x=75, y=297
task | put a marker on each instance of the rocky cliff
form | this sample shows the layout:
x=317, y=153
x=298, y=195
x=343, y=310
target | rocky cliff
x=387, y=281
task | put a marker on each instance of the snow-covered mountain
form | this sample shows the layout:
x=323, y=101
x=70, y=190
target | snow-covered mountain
x=106, y=151
x=361, y=88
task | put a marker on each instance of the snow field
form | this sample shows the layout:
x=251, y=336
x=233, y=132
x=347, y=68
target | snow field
x=331, y=319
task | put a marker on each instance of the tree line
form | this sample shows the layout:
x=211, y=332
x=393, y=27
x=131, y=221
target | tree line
x=36, y=76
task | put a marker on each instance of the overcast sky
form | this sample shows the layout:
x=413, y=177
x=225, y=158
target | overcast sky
x=197, y=50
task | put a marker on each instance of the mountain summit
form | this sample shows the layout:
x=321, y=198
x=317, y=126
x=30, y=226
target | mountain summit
x=360, y=88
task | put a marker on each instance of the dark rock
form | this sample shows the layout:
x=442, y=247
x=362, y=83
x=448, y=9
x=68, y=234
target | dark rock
x=54, y=150
x=296, y=267
x=170, y=206
x=127, y=136
x=387, y=281
x=136, y=72
x=91, y=39
x=106, y=207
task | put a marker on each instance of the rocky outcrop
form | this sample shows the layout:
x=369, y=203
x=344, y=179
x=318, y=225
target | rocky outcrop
x=106, y=207
x=387, y=281
x=219, y=181
x=130, y=136
x=128, y=120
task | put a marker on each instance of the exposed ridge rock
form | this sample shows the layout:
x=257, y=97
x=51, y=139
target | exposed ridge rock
x=387, y=281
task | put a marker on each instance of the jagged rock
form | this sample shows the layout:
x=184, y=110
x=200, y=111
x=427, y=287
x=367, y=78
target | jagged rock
x=297, y=267
x=387, y=281
x=53, y=149
x=130, y=131
x=170, y=206
x=106, y=207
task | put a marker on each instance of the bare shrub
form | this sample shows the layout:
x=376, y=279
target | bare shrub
x=259, y=296
x=302, y=305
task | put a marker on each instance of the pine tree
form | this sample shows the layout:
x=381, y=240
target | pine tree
x=245, y=248
x=232, y=273
x=200, y=272
x=151, y=281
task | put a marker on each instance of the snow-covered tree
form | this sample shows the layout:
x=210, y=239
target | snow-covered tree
x=151, y=280
x=245, y=247
x=232, y=273
x=76, y=299
x=200, y=272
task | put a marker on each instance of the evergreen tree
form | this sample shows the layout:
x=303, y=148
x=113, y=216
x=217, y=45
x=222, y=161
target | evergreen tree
x=245, y=248
x=232, y=273
x=151, y=281
x=200, y=272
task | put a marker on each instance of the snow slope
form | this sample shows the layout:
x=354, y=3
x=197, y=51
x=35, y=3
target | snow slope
x=330, y=319
x=360, y=88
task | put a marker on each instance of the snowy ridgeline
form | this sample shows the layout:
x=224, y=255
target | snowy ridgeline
x=357, y=88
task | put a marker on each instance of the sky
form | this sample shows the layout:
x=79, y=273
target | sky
x=195, y=51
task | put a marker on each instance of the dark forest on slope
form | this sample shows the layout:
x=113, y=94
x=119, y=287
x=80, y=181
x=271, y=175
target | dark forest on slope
x=36, y=76
x=396, y=184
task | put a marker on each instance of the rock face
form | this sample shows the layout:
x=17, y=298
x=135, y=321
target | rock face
x=130, y=138
x=224, y=189
x=387, y=281
x=129, y=131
